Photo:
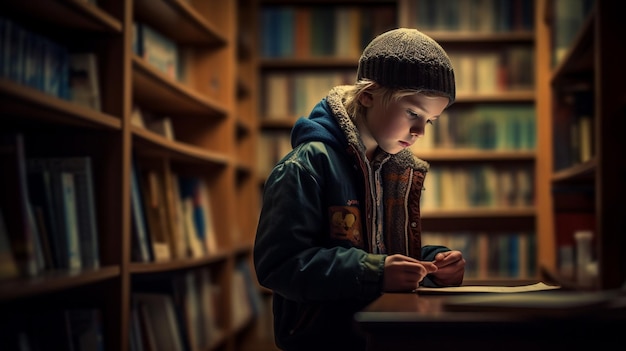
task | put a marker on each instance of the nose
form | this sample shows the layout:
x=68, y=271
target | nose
x=417, y=130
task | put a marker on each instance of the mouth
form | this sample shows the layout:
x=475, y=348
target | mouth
x=404, y=144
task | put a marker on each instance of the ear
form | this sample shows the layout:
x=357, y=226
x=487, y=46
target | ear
x=366, y=99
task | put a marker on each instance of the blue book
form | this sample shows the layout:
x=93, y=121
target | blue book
x=141, y=240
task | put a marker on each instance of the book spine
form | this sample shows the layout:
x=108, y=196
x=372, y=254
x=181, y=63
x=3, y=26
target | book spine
x=71, y=218
x=15, y=202
x=139, y=219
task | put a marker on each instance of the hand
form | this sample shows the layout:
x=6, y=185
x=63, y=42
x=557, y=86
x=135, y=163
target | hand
x=403, y=273
x=450, y=268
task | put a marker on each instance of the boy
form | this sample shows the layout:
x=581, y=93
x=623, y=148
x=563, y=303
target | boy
x=340, y=222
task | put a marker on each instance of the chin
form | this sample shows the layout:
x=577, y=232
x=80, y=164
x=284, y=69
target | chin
x=392, y=150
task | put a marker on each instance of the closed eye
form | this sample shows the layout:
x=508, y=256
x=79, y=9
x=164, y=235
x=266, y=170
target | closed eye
x=414, y=115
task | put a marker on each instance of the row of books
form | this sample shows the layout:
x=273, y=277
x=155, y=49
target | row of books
x=482, y=127
x=446, y=186
x=569, y=16
x=272, y=146
x=574, y=130
x=292, y=95
x=183, y=313
x=48, y=212
x=508, y=68
x=33, y=60
x=161, y=125
x=246, y=303
x=157, y=49
x=171, y=216
x=472, y=15
x=478, y=186
x=180, y=314
x=491, y=255
x=77, y=329
x=304, y=31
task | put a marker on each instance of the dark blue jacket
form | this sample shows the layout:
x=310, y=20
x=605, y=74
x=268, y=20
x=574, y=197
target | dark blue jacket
x=317, y=246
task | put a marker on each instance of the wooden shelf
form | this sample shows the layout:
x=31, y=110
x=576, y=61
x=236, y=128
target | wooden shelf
x=166, y=96
x=72, y=14
x=438, y=155
x=180, y=20
x=477, y=37
x=54, y=282
x=579, y=172
x=473, y=212
x=579, y=58
x=28, y=103
x=215, y=126
x=317, y=63
x=585, y=195
x=155, y=144
x=173, y=265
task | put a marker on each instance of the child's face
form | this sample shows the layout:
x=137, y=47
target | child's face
x=398, y=126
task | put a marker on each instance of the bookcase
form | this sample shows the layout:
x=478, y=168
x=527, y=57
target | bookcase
x=581, y=106
x=164, y=111
x=479, y=194
x=306, y=48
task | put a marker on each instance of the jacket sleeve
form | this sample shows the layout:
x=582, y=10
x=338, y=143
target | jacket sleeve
x=289, y=254
x=428, y=254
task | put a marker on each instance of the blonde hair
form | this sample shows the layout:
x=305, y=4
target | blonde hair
x=356, y=110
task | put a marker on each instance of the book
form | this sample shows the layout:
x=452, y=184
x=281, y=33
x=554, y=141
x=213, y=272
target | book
x=40, y=260
x=158, y=50
x=147, y=333
x=14, y=202
x=81, y=169
x=203, y=216
x=49, y=327
x=84, y=80
x=85, y=329
x=136, y=336
x=187, y=300
x=43, y=236
x=194, y=242
x=41, y=198
x=68, y=201
x=156, y=213
x=8, y=266
x=196, y=190
x=240, y=303
x=161, y=320
x=44, y=203
x=178, y=239
x=142, y=247
x=161, y=125
x=207, y=291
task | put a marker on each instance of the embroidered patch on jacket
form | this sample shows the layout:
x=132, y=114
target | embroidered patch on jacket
x=345, y=224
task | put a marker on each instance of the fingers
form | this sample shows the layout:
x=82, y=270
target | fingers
x=444, y=259
x=429, y=266
x=403, y=273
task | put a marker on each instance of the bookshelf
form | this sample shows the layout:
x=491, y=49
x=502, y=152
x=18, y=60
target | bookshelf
x=479, y=194
x=486, y=141
x=581, y=174
x=177, y=101
x=308, y=59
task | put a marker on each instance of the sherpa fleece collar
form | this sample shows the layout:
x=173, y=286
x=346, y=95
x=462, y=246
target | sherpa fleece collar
x=336, y=100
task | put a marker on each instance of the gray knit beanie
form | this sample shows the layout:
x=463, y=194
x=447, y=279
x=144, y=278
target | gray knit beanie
x=408, y=59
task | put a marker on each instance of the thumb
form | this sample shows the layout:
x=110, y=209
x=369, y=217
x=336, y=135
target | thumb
x=430, y=267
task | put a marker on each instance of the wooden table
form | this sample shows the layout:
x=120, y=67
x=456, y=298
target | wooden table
x=408, y=321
